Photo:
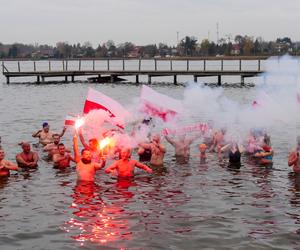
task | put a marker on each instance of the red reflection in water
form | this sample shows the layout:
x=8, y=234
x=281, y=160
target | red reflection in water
x=94, y=220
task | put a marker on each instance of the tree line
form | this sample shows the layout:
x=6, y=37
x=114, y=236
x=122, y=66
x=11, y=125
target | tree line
x=187, y=46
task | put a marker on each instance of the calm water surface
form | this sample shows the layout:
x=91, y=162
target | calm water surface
x=190, y=206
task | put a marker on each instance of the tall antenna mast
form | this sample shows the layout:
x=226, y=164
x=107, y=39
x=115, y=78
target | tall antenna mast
x=218, y=33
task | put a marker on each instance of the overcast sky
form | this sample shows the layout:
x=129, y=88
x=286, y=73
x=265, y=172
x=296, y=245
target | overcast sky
x=144, y=21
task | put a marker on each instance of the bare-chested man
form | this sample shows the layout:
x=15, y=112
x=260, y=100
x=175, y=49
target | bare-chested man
x=52, y=148
x=45, y=135
x=158, y=151
x=85, y=167
x=6, y=166
x=182, y=146
x=294, y=158
x=27, y=159
x=62, y=158
x=125, y=166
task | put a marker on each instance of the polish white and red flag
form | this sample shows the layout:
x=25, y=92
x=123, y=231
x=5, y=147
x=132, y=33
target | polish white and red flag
x=70, y=120
x=159, y=105
x=96, y=100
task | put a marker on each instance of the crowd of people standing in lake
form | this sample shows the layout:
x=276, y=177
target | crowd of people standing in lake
x=151, y=152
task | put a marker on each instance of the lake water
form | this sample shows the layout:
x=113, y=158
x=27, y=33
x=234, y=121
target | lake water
x=189, y=206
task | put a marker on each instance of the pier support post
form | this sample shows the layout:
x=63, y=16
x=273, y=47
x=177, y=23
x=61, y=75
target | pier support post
x=242, y=80
x=43, y=79
x=137, y=80
x=195, y=78
x=72, y=78
x=38, y=79
x=66, y=78
x=175, y=79
x=112, y=79
x=149, y=79
x=99, y=78
x=219, y=80
x=7, y=80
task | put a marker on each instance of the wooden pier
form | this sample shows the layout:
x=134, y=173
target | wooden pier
x=125, y=69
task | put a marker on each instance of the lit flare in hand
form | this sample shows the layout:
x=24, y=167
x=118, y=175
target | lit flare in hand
x=106, y=142
x=79, y=122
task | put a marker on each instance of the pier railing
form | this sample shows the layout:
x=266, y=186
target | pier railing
x=114, y=67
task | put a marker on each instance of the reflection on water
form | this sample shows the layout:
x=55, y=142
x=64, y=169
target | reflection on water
x=96, y=221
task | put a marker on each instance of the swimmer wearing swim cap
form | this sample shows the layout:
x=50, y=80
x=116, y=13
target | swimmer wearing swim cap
x=202, y=149
x=45, y=135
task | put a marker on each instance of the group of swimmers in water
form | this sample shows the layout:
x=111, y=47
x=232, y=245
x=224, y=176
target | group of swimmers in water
x=151, y=153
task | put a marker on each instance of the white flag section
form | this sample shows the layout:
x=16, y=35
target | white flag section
x=97, y=101
x=159, y=105
x=70, y=120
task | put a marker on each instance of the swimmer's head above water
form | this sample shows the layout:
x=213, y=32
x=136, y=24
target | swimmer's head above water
x=26, y=147
x=93, y=144
x=86, y=156
x=125, y=153
x=56, y=139
x=61, y=149
x=46, y=127
x=202, y=148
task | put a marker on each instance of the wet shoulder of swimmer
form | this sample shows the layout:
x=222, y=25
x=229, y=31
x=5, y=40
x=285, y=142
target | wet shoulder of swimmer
x=85, y=167
x=5, y=165
x=27, y=159
x=124, y=167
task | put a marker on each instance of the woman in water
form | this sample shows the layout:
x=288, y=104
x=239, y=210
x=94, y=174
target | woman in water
x=234, y=154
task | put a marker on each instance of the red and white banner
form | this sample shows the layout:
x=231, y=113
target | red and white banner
x=159, y=105
x=201, y=127
x=70, y=120
x=97, y=101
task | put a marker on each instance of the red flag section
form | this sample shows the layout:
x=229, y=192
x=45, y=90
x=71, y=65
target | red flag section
x=159, y=105
x=97, y=101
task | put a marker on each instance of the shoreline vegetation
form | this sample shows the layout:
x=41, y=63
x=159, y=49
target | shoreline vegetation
x=187, y=48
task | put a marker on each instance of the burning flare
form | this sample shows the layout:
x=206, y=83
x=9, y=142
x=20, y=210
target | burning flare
x=105, y=142
x=79, y=122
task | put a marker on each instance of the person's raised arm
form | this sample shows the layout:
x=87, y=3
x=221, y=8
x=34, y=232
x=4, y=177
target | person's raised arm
x=225, y=148
x=37, y=134
x=169, y=140
x=63, y=131
x=85, y=145
x=144, y=167
x=75, y=148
